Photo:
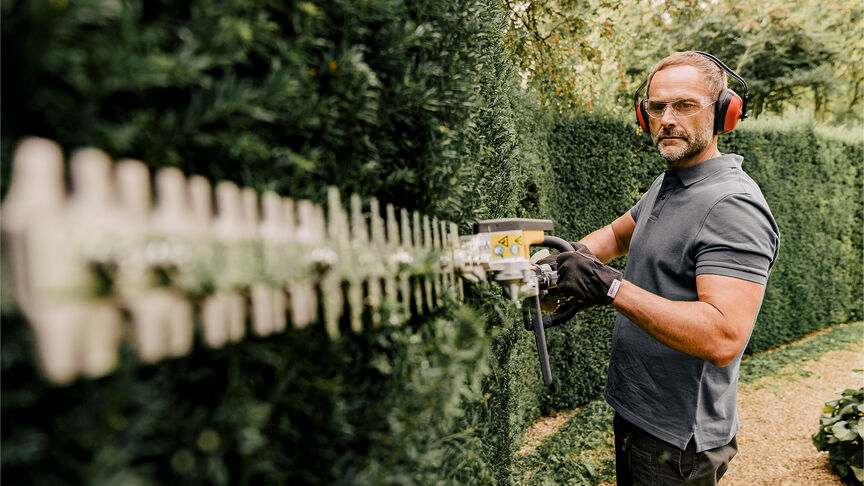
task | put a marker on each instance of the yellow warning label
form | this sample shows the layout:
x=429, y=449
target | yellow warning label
x=506, y=244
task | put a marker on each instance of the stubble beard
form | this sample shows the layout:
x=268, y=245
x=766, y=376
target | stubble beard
x=691, y=146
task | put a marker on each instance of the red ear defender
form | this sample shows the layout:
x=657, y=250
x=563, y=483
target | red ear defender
x=641, y=112
x=728, y=111
x=642, y=116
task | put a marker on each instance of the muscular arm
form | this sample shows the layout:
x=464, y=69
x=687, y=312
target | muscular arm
x=714, y=328
x=612, y=240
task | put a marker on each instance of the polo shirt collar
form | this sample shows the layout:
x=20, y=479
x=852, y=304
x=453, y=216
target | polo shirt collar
x=700, y=171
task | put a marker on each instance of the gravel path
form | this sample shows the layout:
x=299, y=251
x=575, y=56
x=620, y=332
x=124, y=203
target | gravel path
x=779, y=413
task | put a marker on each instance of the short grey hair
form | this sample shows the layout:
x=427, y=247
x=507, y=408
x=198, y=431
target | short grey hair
x=715, y=77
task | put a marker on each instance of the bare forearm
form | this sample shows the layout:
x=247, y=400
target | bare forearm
x=603, y=244
x=693, y=327
x=612, y=240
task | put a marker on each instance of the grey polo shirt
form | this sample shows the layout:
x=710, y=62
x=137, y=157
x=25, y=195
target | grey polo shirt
x=710, y=218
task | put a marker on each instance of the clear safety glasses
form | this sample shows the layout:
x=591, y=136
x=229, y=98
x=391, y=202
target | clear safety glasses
x=680, y=108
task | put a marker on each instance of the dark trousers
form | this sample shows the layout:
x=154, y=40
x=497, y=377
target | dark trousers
x=642, y=459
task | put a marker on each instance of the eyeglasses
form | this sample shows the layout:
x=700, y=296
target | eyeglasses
x=680, y=108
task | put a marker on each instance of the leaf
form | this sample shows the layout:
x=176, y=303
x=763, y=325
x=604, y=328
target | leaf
x=848, y=409
x=842, y=433
x=859, y=472
x=830, y=420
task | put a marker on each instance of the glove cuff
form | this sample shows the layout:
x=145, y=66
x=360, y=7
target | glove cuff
x=613, y=289
x=612, y=278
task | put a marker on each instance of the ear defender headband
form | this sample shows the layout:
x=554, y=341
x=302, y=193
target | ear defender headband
x=728, y=109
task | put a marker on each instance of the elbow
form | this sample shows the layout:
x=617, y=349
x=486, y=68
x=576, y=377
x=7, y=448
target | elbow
x=723, y=356
x=721, y=362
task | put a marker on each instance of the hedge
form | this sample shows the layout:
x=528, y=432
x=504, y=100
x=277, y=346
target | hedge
x=409, y=102
x=417, y=104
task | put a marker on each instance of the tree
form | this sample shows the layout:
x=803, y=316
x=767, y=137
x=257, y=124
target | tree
x=587, y=55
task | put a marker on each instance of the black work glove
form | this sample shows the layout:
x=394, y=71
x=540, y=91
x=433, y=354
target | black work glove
x=552, y=260
x=553, y=298
x=582, y=275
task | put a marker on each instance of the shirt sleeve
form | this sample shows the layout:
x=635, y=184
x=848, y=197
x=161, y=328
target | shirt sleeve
x=739, y=238
x=637, y=208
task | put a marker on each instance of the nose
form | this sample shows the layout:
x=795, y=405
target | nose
x=668, y=119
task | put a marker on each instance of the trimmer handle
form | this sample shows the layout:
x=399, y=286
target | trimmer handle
x=538, y=322
x=569, y=309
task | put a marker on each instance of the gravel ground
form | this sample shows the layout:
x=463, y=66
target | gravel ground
x=779, y=413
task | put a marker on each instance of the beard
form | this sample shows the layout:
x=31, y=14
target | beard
x=692, y=144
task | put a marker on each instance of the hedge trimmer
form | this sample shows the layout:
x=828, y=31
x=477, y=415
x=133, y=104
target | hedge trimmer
x=105, y=261
x=501, y=248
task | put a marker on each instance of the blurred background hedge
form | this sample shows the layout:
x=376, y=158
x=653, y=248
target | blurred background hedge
x=417, y=104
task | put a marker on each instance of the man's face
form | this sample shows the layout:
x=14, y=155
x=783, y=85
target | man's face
x=680, y=138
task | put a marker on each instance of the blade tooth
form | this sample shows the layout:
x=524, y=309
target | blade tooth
x=454, y=243
x=36, y=196
x=358, y=251
x=417, y=278
x=232, y=227
x=273, y=235
x=97, y=223
x=427, y=246
x=307, y=235
x=404, y=276
x=288, y=252
x=377, y=267
x=260, y=292
x=331, y=283
x=146, y=309
x=391, y=288
x=447, y=271
x=438, y=275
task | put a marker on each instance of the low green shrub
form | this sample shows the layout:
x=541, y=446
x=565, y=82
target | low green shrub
x=840, y=433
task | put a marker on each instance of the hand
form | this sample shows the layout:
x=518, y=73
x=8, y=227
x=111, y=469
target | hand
x=551, y=260
x=551, y=303
x=582, y=275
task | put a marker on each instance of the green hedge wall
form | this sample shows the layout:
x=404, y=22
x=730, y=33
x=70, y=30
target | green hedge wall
x=415, y=103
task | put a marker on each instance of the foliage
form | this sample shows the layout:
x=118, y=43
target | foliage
x=581, y=452
x=376, y=96
x=411, y=102
x=591, y=55
x=840, y=432
x=574, y=54
x=380, y=407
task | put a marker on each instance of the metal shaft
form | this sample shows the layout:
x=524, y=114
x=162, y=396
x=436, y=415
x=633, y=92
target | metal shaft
x=540, y=337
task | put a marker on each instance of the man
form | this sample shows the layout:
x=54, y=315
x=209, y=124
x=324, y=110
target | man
x=701, y=243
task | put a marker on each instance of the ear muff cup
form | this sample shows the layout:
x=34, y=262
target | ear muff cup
x=642, y=116
x=727, y=111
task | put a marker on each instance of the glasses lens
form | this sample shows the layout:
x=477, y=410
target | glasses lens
x=655, y=108
x=681, y=108
x=686, y=108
